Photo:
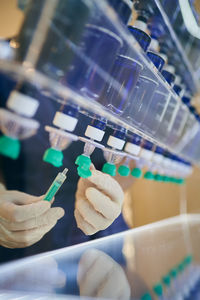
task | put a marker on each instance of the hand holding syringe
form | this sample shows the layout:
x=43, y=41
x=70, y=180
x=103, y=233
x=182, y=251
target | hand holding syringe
x=55, y=186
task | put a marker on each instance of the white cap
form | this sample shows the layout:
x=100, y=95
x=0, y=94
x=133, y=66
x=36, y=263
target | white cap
x=22, y=104
x=140, y=25
x=169, y=68
x=132, y=148
x=154, y=45
x=94, y=133
x=164, y=56
x=157, y=158
x=146, y=154
x=177, y=80
x=115, y=142
x=64, y=121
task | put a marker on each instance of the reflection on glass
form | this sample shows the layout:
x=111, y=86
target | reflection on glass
x=101, y=277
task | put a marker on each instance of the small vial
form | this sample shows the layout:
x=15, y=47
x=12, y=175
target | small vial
x=55, y=186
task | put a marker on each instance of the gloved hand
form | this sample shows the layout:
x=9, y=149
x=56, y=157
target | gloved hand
x=25, y=219
x=100, y=276
x=98, y=202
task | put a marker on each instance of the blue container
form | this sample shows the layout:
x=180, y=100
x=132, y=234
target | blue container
x=156, y=59
x=126, y=73
x=142, y=37
x=94, y=60
x=140, y=100
x=177, y=89
x=123, y=9
x=169, y=77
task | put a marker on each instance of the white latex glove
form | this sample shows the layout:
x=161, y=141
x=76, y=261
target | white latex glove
x=100, y=276
x=25, y=219
x=98, y=202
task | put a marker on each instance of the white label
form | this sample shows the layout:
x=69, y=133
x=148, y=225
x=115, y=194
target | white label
x=132, y=148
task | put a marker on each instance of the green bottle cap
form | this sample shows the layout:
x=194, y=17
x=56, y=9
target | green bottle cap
x=166, y=178
x=166, y=280
x=83, y=161
x=149, y=175
x=158, y=177
x=180, y=267
x=54, y=157
x=124, y=170
x=158, y=289
x=9, y=147
x=84, y=173
x=109, y=168
x=146, y=296
x=173, y=273
x=136, y=172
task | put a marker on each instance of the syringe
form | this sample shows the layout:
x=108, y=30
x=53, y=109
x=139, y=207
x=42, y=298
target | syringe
x=55, y=186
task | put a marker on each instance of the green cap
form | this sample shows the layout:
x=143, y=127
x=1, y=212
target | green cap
x=109, y=168
x=54, y=157
x=166, y=280
x=9, y=147
x=158, y=177
x=146, y=296
x=84, y=173
x=124, y=170
x=158, y=289
x=188, y=259
x=181, y=181
x=149, y=175
x=83, y=161
x=136, y=172
x=173, y=273
x=180, y=267
x=165, y=178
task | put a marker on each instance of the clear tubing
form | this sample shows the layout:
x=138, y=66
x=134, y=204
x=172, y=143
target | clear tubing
x=55, y=186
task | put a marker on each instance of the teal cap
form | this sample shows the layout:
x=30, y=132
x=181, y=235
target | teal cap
x=124, y=170
x=9, y=147
x=158, y=289
x=166, y=280
x=136, y=172
x=84, y=173
x=54, y=157
x=173, y=273
x=158, y=177
x=83, y=161
x=180, y=267
x=146, y=296
x=109, y=168
x=149, y=175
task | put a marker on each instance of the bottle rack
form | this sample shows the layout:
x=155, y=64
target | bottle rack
x=182, y=129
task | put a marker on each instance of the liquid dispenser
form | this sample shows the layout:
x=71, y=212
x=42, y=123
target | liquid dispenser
x=65, y=120
x=16, y=122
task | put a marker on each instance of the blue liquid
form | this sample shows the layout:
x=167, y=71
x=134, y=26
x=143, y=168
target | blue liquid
x=126, y=72
x=169, y=77
x=142, y=37
x=122, y=9
x=157, y=60
x=98, y=51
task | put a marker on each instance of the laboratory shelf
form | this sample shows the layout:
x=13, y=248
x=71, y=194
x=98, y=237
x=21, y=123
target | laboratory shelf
x=81, y=77
x=189, y=73
x=127, y=265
